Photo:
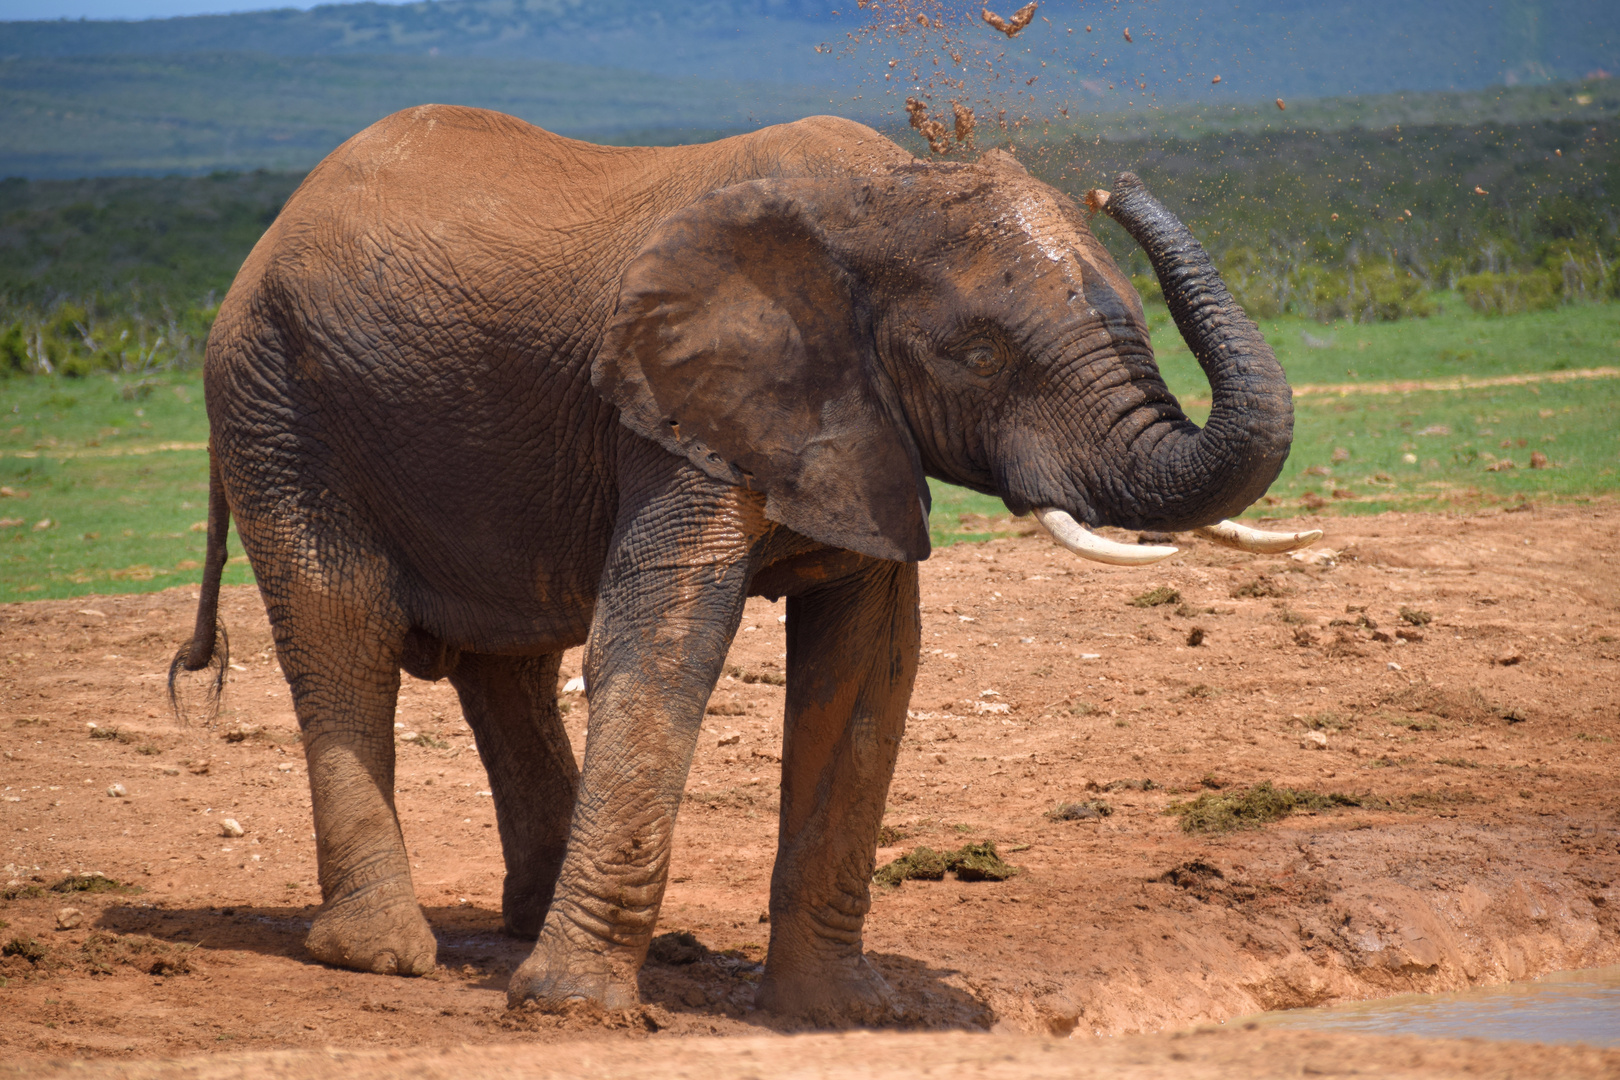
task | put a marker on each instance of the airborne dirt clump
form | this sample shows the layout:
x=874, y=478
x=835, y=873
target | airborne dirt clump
x=1483, y=847
x=1020, y=19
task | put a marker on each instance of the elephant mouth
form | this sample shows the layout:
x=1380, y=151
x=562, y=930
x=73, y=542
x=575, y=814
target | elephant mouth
x=1088, y=545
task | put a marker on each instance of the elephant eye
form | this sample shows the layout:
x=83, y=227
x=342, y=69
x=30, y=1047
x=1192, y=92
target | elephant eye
x=981, y=357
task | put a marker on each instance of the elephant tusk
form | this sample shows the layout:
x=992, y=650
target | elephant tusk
x=1231, y=534
x=1088, y=545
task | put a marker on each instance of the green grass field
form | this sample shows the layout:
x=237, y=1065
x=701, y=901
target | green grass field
x=107, y=478
x=102, y=488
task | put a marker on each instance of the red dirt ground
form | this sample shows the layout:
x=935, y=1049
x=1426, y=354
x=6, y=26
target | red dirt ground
x=1483, y=757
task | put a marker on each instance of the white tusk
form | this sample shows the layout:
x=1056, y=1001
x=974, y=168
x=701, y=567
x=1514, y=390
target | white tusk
x=1231, y=534
x=1088, y=545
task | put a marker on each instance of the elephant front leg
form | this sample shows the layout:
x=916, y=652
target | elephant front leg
x=852, y=659
x=671, y=599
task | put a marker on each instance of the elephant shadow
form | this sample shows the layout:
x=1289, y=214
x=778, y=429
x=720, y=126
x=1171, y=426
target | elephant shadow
x=268, y=930
x=685, y=978
x=471, y=940
x=682, y=976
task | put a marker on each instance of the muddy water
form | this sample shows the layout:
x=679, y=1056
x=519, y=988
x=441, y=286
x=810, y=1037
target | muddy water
x=1565, y=1007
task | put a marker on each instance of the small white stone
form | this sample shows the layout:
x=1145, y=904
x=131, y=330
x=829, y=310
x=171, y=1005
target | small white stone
x=285, y=766
x=1313, y=740
x=117, y=791
x=410, y=736
x=1393, y=666
x=576, y=685
x=69, y=918
x=229, y=827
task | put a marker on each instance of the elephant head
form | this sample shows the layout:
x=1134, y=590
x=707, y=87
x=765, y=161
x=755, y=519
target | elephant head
x=831, y=341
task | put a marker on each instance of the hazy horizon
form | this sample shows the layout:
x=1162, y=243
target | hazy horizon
x=51, y=10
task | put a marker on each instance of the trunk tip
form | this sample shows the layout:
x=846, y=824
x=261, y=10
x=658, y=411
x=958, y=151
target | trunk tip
x=1096, y=200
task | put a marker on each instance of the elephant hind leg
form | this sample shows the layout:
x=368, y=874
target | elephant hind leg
x=341, y=657
x=511, y=705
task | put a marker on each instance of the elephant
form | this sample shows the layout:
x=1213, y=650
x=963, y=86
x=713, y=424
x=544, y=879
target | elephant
x=482, y=393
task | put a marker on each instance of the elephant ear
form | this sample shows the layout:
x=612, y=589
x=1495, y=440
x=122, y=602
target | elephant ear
x=740, y=343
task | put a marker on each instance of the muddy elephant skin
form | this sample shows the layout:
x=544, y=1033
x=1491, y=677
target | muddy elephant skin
x=482, y=393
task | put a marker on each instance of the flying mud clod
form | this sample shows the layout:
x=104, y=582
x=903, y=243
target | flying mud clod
x=937, y=134
x=964, y=122
x=1012, y=26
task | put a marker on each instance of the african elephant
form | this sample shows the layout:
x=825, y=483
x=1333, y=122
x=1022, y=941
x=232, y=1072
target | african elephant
x=482, y=393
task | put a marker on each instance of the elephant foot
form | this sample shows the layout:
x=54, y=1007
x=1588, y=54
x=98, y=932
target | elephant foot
x=362, y=933
x=835, y=995
x=560, y=971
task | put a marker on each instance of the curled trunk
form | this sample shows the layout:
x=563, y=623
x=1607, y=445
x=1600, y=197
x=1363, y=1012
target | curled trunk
x=1177, y=475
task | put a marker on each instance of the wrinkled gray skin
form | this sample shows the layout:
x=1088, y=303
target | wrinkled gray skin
x=482, y=393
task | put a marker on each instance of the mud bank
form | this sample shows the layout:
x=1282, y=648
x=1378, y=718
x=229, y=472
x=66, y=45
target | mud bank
x=1446, y=690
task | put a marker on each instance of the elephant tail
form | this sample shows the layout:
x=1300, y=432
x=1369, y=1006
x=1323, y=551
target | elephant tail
x=210, y=646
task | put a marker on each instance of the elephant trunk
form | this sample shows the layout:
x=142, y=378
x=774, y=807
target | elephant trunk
x=1178, y=476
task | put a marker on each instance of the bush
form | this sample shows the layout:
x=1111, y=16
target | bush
x=77, y=337
x=1511, y=294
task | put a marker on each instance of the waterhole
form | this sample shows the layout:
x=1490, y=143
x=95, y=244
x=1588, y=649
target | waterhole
x=1564, y=1007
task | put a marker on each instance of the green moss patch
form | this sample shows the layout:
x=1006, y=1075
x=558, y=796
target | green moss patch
x=1250, y=808
x=1090, y=810
x=92, y=883
x=970, y=862
x=103, y=953
x=1262, y=587
x=27, y=948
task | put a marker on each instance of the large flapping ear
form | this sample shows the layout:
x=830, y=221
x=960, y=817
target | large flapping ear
x=740, y=343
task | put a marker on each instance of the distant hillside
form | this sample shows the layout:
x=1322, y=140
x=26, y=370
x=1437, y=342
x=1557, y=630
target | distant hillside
x=128, y=115
x=1284, y=207
x=732, y=39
